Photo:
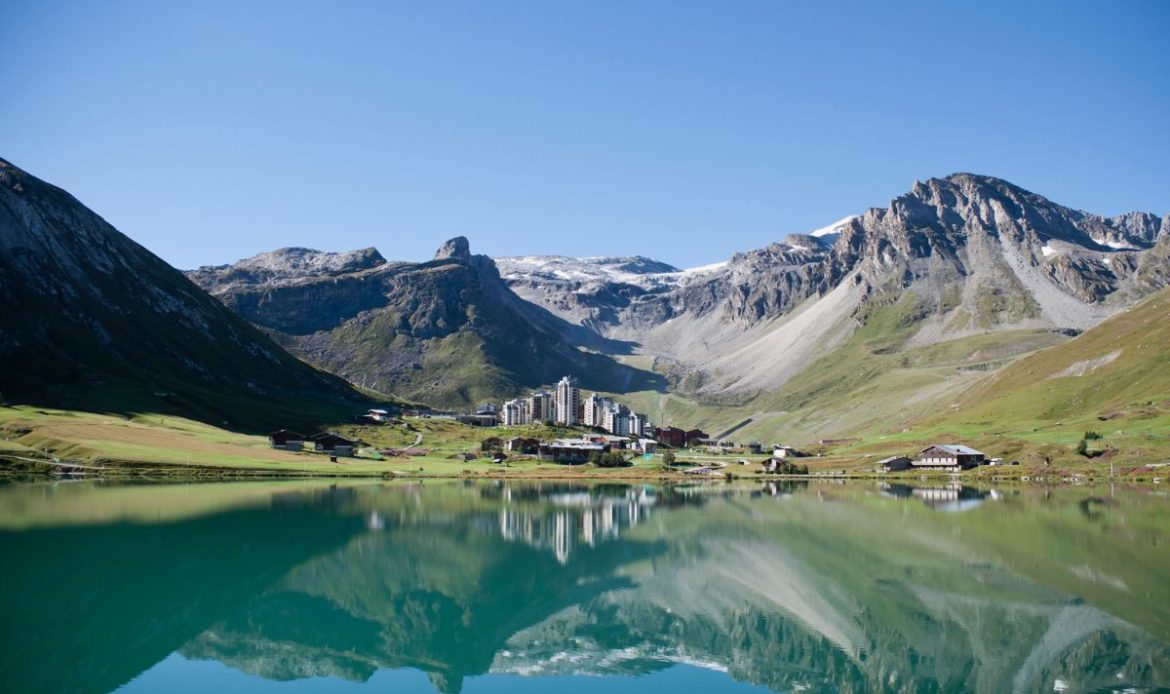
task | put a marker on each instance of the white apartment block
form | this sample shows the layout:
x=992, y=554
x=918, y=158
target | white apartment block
x=516, y=413
x=617, y=420
x=594, y=410
x=568, y=397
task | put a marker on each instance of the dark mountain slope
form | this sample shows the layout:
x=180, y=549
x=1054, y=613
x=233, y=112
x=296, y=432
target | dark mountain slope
x=93, y=320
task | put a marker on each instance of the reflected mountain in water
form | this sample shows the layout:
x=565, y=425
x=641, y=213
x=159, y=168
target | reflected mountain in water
x=817, y=588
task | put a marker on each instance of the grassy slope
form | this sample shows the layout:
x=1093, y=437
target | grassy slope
x=1113, y=379
x=871, y=383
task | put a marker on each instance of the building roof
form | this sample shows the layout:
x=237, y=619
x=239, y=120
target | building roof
x=574, y=443
x=892, y=458
x=957, y=449
x=333, y=438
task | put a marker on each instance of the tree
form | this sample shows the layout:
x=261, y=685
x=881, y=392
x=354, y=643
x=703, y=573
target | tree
x=668, y=459
x=611, y=459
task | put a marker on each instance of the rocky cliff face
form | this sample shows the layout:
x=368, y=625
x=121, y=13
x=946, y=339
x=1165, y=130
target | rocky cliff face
x=91, y=312
x=448, y=331
x=975, y=253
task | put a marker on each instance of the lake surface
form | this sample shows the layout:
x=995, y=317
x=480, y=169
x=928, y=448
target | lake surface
x=511, y=587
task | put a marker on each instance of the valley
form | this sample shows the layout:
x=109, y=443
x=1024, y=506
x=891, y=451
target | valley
x=967, y=310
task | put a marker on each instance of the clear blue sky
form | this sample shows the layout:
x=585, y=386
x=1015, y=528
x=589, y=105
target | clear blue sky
x=685, y=131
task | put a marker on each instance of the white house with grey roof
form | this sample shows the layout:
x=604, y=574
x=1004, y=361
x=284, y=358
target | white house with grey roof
x=950, y=457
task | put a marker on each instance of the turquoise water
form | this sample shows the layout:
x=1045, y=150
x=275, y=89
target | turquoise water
x=499, y=587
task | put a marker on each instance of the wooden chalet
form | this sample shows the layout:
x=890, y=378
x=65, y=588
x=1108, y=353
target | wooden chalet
x=286, y=440
x=334, y=444
x=894, y=463
x=949, y=457
x=522, y=445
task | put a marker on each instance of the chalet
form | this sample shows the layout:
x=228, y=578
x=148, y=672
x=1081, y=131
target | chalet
x=378, y=415
x=572, y=451
x=287, y=440
x=783, y=451
x=333, y=444
x=522, y=445
x=949, y=457
x=694, y=436
x=491, y=443
x=894, y=463
x=671, y=436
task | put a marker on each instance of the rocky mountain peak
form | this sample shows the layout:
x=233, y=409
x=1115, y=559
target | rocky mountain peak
x=457, y=248
x=309, y=262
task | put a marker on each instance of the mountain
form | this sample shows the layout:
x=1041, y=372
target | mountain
x=978, y=254
x=96, y=321
x=950, y=280
x=448, y=331
x=868, y=319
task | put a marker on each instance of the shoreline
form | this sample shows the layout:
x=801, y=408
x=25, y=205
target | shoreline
x=36, y=469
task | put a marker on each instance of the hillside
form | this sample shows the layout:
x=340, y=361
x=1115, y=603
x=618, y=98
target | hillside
x=94, y=321
x=448, y=332
x=1112, y=381
x=1116, y=372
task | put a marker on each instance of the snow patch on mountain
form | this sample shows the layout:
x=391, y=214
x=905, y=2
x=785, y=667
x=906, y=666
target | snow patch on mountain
x=638, y=271
x=829, y=234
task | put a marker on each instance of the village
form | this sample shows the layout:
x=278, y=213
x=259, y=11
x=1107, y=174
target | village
x=561, y=426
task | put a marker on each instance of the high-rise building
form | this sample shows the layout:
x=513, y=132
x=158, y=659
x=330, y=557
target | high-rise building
x=594, y=408
x=542, y=407
x=568, y=397
x=516, y=413
x=617, y=420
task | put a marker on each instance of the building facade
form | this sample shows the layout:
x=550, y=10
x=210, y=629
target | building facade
x=950, y=456
x=516, y=413
x=542, y=407
x=593, y=410
x=568, y=401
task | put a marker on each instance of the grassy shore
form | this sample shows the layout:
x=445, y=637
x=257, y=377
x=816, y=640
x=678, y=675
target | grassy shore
x=38, y=440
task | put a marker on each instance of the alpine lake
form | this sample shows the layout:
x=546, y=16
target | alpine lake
x=319, y=586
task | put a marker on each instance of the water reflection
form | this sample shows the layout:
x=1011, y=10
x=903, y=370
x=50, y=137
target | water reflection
x=836, y=588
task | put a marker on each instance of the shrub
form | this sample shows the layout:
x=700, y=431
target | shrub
x=611, y=459
x=1091, y=435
